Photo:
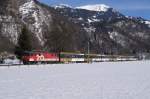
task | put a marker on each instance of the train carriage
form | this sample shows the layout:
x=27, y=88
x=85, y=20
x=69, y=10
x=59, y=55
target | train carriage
x=66, y=57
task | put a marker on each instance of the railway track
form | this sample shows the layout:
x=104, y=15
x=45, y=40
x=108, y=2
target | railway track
x=9, y=65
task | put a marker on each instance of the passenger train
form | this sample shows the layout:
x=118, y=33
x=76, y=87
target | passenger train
x=42, y=57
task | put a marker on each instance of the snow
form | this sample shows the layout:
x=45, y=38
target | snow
x=80, y=19
x=147, y=22
x=96, y=20
x=93, y=20
x=107, y=80
x=90, y=29
x=62, y=6
x=31, y=9
x=94, y=16
x=119, y=38
x=11, y=61
x=89, y=20
x=96, y=7
x=130, y=17
x=26, y=8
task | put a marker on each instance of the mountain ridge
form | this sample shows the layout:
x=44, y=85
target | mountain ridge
x=71, y=29
x=95, y=7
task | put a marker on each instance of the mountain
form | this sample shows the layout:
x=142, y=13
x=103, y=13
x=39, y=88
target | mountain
x=64, y=28
x=109, y=31
x=47, y=26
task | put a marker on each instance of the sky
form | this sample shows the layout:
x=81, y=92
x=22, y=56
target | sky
x=137, y=8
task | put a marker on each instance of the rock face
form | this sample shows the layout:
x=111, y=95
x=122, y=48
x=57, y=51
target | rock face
x=37, y=18
x=63, y=28
x=10, y=26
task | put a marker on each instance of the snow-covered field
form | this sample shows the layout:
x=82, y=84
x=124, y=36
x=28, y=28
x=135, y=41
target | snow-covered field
x=107, y=80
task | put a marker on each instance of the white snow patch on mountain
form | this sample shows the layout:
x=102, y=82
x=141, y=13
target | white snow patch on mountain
x=62, y=6
x=96, y=7
x=129, y=17
x=94, y=16
x=148, y=23
x=93, y=20
x=120, y=39
x=26, y=8
x=90, y=29
x=80, y=19
x=89, y=20
x=96, y=20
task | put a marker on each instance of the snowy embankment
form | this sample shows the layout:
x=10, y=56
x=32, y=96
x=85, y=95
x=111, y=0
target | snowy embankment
x=118, y=80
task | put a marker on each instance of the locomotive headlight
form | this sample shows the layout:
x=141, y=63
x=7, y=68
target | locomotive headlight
x=31, y=59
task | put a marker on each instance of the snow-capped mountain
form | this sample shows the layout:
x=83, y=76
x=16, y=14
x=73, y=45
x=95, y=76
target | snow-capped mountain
x=62, y=6
x=96, y=7
x=109, y=30
x=64, y=28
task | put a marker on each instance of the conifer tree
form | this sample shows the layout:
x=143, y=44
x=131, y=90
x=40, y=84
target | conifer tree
x=24, y=42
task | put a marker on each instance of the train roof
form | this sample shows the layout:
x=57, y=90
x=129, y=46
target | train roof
x=35, y=52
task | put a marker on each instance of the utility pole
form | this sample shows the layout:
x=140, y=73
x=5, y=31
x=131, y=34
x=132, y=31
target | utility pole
x=88, y=47
x=88, y=52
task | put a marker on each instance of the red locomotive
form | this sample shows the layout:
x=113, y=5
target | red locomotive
x=35, y=57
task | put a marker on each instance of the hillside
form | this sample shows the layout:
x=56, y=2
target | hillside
x=63, y=28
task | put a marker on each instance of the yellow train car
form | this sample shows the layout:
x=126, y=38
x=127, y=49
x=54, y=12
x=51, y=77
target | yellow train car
x=70, y=57
x=66, y=57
